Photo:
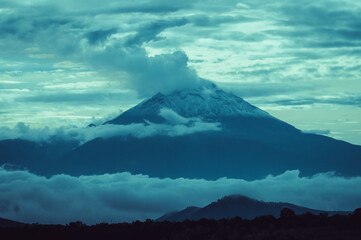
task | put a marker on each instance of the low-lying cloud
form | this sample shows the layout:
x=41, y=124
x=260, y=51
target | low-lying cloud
x=175, y=125
x=317, y=131
x=173, y=117
x=125, y=197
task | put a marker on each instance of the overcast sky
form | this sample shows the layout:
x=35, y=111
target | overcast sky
x=75, y=62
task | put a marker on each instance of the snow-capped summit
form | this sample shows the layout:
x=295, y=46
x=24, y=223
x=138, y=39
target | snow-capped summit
x=206, y=101
x=222, y=136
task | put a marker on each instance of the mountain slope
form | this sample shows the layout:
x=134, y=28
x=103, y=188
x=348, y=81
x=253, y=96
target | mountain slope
x=206, y=101
x=5, y=223
x=250, y=145
x=238, y=206
x=34, y=156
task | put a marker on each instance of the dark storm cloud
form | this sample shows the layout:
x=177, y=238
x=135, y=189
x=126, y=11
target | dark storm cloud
x=324, y=13
x=125, y=197
x=295, y=102
x=67, y=97
x=151, y=7
x=26, y=24
x=46, y=29
x=260, y=72
x=203, y=20
x=321, y=37
x=146, y=9
x=325, y=24
x=346, y=100
x=331, y=44
x=122, y=56
x=99, y=36
x=251, y=90
x=351, y=100
x=318, y=131
x=150, y=31
x=239, y=36
x=311, y=27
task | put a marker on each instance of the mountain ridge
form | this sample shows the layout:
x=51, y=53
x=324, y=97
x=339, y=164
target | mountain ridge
x=246, y=146
x=250, y=145
x=239, y=206
x=6, y=223
x=207, y=102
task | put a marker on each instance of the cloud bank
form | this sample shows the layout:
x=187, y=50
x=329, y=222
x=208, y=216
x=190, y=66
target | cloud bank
x=176, y=126
x=126, y=197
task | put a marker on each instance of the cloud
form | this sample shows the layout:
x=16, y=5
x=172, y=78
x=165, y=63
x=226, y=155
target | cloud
x=318, y=131
x=99, y=36
x=147, y=75
x=172, y=117
x=141, y=130
x=352, y=100
x=252, y=90
x=176, y=126
x=204, y=20
x=71, y=96
x=23, y=131
x=150, y=31
x=149, y=7
x=323, y=24
x=126, y=197
x=113, y=51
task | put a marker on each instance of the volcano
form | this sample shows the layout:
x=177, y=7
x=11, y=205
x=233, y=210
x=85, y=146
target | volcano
x=246, y=143
x=201, y=132
x=207, y=102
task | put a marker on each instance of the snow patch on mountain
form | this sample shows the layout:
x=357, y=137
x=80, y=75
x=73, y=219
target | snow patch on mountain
x=207, y=101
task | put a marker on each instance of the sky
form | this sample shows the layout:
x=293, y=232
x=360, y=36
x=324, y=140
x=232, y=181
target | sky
x=77, y=62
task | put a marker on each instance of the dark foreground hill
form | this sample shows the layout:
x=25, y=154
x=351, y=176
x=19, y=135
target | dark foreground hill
x=287, y=227
x=5, y=223
x=239, y=206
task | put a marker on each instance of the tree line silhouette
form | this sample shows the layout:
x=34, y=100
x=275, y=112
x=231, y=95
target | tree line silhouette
x=288, y=226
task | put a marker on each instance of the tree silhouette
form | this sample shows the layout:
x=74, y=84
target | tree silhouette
x=288, y=226
x=287, y=213
x=357, y=212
